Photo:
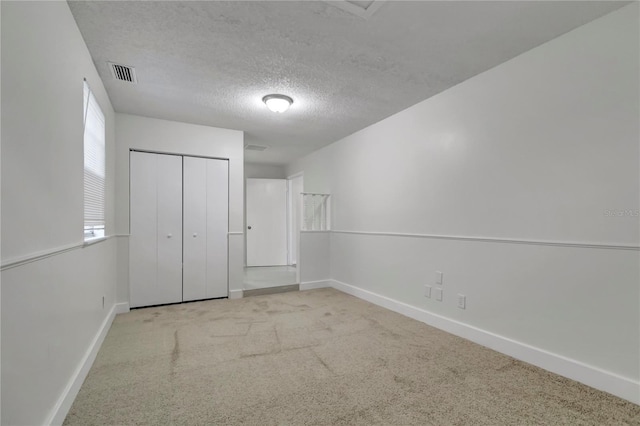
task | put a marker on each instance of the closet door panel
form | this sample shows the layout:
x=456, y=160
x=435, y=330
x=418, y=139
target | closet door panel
x=195, y=229
x=217, y=227
x=169, y=178
x=143, y=220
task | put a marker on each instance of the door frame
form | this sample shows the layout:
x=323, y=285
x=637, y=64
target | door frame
x=292, y=233
x=292, y=249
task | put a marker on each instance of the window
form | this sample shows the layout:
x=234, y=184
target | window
x=94, y=166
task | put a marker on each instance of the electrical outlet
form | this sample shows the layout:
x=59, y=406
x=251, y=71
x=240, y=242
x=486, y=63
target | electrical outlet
x=438, y=294
x=427, y=291
x=439, y=277
x=462, y=301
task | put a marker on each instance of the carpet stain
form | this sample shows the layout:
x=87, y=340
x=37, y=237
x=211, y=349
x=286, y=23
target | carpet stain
x=262, y=304
x=324, y=364
x=385, y=331
x=508, y=366
x=362, y=416
x=303, y=306
x=455, y=372
x=277, y=351
x=175, y=354
x=406, y=384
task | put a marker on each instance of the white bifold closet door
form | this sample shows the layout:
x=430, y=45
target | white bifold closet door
x=155, y=245
x=179, y=224
x=206, y=197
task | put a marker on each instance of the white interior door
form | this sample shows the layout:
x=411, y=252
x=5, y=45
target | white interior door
x=206, y=212
x=155, y=245
x=266, y=222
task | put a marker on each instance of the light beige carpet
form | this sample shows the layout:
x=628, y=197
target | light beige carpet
x=318, y=357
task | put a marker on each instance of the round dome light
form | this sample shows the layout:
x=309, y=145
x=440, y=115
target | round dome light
x=277, y=103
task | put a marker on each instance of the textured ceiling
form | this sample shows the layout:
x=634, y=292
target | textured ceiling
x=212, y=62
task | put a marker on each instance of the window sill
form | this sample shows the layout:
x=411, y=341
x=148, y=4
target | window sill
x=94, y=240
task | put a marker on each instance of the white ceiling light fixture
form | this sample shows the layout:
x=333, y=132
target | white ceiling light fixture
x=277, y=103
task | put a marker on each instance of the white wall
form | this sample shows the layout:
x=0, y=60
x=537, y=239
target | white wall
x=264, y=171
x=52, y=307
x=315, y=256
x=135, y=132
x=536, y=150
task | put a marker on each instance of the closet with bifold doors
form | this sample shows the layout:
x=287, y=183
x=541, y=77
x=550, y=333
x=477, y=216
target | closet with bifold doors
x=179, y=210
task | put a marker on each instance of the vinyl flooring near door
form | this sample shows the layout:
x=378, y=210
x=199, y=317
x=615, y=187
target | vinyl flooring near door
x=269, y=276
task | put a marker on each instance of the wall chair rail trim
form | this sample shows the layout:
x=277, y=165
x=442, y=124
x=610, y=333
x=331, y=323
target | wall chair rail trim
x=34, y=257
x=575, y=244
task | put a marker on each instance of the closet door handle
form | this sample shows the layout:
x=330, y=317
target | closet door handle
x=169, y=235
x=195, y=235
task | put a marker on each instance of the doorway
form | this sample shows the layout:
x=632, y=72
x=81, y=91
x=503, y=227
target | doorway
x=273, y=217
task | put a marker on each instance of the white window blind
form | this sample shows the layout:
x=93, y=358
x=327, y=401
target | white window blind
x=94, y=166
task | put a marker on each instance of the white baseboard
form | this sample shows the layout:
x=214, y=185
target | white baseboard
x=622, y=387
x=310, y=285
x=59, y=412
x=122, y=308
x=236, y=294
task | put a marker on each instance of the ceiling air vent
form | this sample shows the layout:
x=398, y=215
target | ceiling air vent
x=123, y=72
x=255, y=148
